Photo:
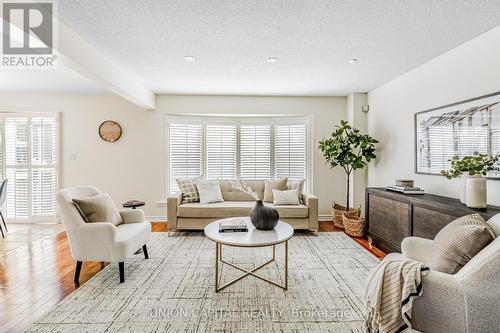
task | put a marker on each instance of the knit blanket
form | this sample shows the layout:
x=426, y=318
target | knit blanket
x=392, y=287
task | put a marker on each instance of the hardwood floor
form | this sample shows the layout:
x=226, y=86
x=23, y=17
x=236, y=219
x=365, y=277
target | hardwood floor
x=34, y=278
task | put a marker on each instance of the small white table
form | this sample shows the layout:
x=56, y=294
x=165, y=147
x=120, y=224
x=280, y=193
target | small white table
x=253, y=238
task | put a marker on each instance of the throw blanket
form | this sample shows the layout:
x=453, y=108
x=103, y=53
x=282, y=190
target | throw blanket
x=392, y=287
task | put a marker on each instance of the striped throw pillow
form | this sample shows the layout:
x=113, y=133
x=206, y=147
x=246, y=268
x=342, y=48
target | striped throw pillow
x=289, y=197
x=458, y=242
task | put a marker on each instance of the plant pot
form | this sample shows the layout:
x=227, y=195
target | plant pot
x=476, y=193
x=354, y=226
x=338, y=211
x=262, y=217
x=463, y=188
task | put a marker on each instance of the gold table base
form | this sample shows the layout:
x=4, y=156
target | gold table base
x=218, y=258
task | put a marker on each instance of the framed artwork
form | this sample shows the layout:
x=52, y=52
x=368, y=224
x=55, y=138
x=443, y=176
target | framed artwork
x=458, y=129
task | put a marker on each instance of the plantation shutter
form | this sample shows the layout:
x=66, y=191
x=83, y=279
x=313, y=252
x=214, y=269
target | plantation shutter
x=221, y=151
x=290, y=150
x=43, y=164
x=255, y=151
x=472, y=136
x=185, y=153
x=16, y=165
x=441, y=147
x=30, y=146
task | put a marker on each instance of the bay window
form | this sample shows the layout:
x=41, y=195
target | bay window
x=230, y=148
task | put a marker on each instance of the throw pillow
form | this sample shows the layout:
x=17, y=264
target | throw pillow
x=189, y=190
x=98, y=208
x=288, y=197
x=270, y=185
x=297, y=185
x=458, y=242
x=209, y=191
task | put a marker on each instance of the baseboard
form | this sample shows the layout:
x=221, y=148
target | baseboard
x=156, y=218
x=324, y=218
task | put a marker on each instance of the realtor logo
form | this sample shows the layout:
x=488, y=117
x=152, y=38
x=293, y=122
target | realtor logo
x=28, y=34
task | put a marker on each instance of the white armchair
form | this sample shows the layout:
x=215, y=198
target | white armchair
x=101, y=241
x=468, y=301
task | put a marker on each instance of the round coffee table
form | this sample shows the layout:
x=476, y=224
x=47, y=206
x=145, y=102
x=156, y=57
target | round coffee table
x=253, y=238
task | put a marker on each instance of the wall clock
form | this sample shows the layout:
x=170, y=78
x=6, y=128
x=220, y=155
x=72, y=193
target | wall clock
x=110, y=131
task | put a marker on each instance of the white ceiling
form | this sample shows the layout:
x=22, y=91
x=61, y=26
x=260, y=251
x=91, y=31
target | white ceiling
x=313, y=40
x=59, y=79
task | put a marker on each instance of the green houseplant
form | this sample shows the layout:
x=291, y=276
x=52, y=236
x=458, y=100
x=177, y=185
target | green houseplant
x=477, y=164
x=349, y=149
x=472, y=169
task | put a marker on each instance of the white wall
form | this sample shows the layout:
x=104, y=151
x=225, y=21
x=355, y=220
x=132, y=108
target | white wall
x=359, y=119
x=133, y=167
x=468, y=71
x=326, y=112
x=130, y=168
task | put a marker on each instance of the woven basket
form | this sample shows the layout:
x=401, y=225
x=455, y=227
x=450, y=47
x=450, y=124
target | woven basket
x=338, y=211
x=354, y=226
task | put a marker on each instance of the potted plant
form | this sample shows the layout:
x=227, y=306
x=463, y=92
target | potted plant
x=351, y=150
x=472, y=169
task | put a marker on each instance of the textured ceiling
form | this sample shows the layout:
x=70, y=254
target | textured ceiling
x=313, y=40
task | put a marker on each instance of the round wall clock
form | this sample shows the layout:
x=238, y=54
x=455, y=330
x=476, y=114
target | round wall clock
x=110, y=131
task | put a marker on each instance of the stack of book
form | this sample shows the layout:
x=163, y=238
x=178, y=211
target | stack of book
x=405, y=189
x=233, y=225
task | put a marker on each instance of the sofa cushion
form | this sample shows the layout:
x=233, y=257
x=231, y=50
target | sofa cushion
x=231, y=194
x=188, y=188
x=236, y=208
x=459, y=242
x=288, y=197
x=297, y=185
x=209, y=191
x=270, y=185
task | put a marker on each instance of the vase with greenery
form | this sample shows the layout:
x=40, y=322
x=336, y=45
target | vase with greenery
x=348, y=148
x=472, y=169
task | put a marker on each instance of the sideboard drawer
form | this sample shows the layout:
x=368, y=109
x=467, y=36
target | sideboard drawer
x=427, y=223
x=389, y=219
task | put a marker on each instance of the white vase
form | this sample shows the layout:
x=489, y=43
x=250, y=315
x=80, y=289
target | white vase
x=463, y=187
x=476, y=193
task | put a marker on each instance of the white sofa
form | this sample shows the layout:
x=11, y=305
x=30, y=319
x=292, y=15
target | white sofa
x=468, y=301
x=101, y=241
x=195, y=216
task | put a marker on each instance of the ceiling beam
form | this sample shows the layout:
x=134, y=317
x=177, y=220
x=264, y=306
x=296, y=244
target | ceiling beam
x=80, y=56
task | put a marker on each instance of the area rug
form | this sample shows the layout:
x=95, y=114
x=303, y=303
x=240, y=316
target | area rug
x=174, y=290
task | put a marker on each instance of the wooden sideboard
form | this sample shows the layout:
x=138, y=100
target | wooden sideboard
x=393, y=216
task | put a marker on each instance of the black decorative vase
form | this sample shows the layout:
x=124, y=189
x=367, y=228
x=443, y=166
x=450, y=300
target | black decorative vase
x=262, y=217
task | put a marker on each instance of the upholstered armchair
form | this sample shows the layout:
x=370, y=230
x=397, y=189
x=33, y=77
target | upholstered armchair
x=468, y=301
x=101, y=241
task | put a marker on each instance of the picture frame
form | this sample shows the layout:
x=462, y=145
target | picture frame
x=457, y=129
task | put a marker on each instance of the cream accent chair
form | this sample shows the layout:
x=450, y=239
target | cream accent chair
x=101, y=241
x=468, y=301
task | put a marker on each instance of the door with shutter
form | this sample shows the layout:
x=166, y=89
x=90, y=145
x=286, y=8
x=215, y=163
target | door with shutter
x=29, y=161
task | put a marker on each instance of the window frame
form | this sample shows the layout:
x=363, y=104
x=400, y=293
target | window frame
x=239, y=120
x=29, y=166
